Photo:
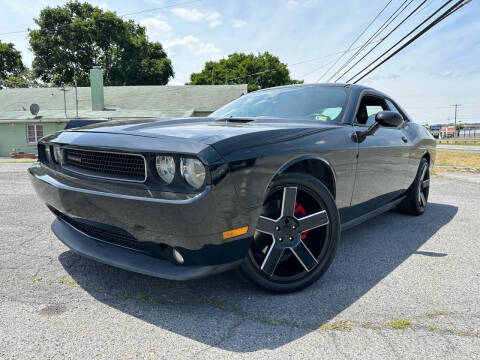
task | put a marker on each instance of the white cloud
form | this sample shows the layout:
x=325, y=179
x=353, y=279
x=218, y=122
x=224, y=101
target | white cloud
x=238, y=23
x=104, y=6
x=193, y=45
x=304, y=3
x=190, y=15
x=215, y=23
x=213, y=16
x=155, y=27
x=195, y=15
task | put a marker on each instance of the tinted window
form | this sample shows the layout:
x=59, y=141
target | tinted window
x=368, y=108
x=296, y=102
x=392, y=106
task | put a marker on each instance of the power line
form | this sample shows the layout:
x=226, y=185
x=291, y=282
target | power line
x=158, y=8
x=354, y=41
x=410, y=41
x=123, y=15
x=378, y=31
x=325, y=56
x=317, y=68
x=299, y=63
x=384, y=38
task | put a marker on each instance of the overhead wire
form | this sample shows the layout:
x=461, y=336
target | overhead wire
x=398, y=42
x=387, y=22
x=122, y=15
x=356, y=39
x=383, y=39
x=459, y=4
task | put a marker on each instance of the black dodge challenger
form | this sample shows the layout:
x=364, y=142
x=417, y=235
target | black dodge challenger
x=266, y=183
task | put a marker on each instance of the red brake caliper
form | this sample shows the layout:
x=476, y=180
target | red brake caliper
x=301, y=212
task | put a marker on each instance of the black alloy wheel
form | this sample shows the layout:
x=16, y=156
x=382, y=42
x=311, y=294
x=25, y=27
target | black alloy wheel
x=296, y=235
x=416, y=199
x=423, y=187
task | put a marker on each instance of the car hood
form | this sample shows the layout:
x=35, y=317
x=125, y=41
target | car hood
x=225, y=135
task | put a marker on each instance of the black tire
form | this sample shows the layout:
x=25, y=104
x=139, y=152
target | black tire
x=294, y=272
x=417, y=195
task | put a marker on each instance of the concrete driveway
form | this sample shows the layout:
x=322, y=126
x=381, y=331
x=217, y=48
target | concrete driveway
x=400, y=287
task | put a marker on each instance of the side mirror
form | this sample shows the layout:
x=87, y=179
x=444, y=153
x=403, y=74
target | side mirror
x=389, y=118
x=383, y=118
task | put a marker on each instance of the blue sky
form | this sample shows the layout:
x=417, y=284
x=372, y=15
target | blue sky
x=438, y=70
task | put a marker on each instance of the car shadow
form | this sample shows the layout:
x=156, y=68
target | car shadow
x=225, y=311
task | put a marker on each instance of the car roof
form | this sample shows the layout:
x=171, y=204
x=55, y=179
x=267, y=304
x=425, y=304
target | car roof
x=351, y=86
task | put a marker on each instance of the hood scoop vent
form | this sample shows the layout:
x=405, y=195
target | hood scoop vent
x=238, y=120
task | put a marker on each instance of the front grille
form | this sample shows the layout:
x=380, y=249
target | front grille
x=109, y=165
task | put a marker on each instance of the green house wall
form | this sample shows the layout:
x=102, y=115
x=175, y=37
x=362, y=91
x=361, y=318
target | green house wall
x=13, y=136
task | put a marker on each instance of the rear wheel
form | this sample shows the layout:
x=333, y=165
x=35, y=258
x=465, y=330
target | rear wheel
x=296, y=236
x=417, y=195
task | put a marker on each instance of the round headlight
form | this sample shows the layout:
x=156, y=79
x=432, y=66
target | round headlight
x=58, y=154
x=193, y=172
x=165, y=167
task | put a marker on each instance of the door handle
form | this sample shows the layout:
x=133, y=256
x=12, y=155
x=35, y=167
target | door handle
x=404, y=138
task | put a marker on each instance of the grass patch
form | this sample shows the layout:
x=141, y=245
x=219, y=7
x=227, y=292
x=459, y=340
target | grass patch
x=68, y=282
x=432, y=328
x=220, y=303
x=339, y=325
x=273, y=321
x=16, y=161
x=436, y=313
x=457, y=158
x=142, y=297
x=400, y=324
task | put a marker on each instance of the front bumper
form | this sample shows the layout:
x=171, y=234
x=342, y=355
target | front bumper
x=131, y=260
x=191, y=224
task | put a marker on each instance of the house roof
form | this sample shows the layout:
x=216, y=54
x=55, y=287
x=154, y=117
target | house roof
x=120, y=101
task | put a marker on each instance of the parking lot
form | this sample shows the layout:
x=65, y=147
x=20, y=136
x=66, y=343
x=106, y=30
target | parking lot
x=400, y=287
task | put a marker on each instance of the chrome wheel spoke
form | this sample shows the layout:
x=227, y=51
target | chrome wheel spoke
x=271, y=259
x=313, y=221
x=425, y=183
x=266, y=225
x=304, y=256
x=288, y=202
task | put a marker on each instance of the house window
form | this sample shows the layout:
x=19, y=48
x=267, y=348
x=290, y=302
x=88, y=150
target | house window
x=34, y=133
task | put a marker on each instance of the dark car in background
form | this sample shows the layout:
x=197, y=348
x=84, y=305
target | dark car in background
x=265, y=184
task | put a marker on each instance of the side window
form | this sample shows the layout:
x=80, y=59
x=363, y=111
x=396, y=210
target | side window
x=392, y=106
x=369, y=107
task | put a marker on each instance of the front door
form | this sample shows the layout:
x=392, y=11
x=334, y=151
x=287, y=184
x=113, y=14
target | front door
x=383, y=159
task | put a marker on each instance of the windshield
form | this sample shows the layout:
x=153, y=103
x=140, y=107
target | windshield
x=296, y=102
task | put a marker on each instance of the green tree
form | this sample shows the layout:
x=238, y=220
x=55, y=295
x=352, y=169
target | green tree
x=259, y=72
x=11, y=65
x=76, y=36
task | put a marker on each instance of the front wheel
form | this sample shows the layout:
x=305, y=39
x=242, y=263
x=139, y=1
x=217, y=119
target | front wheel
x=296, y=237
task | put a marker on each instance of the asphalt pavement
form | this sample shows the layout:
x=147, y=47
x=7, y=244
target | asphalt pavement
x=400, y=287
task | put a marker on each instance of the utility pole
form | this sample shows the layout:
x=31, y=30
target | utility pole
x=64, y=99
x=76, y=97
x=456, y=107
